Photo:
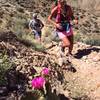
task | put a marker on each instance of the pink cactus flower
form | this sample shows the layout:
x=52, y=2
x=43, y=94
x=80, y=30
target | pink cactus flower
x=38, y=82
x=45, y=71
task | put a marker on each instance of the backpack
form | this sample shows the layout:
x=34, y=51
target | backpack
x=35, y=24
x=31, y=24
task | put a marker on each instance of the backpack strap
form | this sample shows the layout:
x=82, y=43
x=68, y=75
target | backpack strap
x=31, y=25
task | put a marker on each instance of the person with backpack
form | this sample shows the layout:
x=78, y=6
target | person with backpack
x=60, y=17
x=36, y=26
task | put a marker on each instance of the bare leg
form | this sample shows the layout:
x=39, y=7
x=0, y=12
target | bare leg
x=65, y=43
x=38, y=36
x=71, y=44
x=39, y=39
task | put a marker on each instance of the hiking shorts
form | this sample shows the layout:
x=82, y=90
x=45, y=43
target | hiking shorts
x=63, y=34
x=37, y=34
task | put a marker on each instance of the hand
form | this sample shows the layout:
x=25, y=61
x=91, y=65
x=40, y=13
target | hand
x=58, y=26
x=75, y=21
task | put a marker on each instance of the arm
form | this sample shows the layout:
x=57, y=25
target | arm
x=53, y=12
x=42, y=25
x=30, y=25
x=51, y=15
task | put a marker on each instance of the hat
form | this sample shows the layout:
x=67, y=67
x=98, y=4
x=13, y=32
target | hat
x=34, y=15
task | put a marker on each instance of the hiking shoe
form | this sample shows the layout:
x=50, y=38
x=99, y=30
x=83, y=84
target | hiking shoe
x=62, y=48
x=61, y=51
x=70, y=57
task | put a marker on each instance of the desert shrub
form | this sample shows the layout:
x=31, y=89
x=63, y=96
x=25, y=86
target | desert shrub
x=18, y=24
x=29, y=40
x=93, y=41
x=39, y=47
x=78, y=37
x=49, y=34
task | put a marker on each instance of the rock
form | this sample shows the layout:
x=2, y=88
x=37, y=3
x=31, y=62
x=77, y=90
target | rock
x=1, y=61
x=3, y=91
x=18, y=68
x=30, y=77
x=84, y=58
x=60, y=61
x=96, y=58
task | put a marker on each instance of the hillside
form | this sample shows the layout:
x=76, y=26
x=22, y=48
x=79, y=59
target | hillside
x=23, y=59
x=89, y=22
x=74, y=78
x=91, y=5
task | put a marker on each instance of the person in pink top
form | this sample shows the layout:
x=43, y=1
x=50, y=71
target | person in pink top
x=60, y=17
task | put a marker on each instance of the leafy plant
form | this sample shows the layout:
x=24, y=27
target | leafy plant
x=33, y=95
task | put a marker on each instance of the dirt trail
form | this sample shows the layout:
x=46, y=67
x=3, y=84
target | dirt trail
x=86, y=61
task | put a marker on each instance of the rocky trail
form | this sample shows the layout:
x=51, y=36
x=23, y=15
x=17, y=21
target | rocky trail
x=71, y=77
x=80, y=80
x=86, y=62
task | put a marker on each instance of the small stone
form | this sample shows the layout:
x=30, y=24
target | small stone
x=60, y=61
x=84, y=57
x=96, y=59
x=1, y=60
x=30, y=77
x=19, y=68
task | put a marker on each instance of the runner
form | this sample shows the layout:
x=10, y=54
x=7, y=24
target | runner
x=62, y=14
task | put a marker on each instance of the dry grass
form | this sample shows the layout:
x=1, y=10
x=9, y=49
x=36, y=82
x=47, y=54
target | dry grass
x=91, y=39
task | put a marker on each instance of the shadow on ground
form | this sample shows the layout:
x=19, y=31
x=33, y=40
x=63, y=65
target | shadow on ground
x=85, y=52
